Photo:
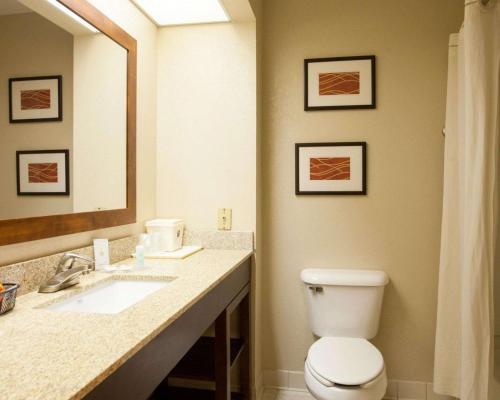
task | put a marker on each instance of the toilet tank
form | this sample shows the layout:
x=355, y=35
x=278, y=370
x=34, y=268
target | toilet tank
x=344, y=302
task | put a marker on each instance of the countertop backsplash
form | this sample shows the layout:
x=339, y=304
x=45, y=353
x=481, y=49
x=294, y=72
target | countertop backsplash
x=32, y=273
x=222, y=240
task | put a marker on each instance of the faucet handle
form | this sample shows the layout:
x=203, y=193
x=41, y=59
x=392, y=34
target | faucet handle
x=68, y=259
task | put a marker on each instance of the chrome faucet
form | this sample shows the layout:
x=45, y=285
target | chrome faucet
x=67, y=275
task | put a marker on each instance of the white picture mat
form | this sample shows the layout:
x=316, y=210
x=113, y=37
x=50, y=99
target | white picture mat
x=364, y=67
x=18, y=86
x=57, y=187
x=354, y=184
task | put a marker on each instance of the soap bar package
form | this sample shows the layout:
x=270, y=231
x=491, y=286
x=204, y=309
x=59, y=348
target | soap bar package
x=101, y=252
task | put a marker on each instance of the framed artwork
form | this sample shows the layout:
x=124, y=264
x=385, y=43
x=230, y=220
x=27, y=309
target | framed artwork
x=42, y=172
x=35, y=99
x=330, y=168
x=339, y=83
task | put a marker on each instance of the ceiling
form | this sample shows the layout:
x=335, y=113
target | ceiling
x=8, y=7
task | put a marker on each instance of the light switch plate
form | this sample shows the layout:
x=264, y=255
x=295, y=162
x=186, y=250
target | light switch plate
x=225, y=219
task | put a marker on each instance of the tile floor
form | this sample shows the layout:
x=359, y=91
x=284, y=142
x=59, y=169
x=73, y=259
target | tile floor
x=272, y=394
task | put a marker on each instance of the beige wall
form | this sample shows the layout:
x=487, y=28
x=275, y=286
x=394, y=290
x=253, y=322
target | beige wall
x=208, y=131
x=125, y=14
x=396, y=227
x=33, y=46
x=206, y=124
x=257, y=6
x=100, y=124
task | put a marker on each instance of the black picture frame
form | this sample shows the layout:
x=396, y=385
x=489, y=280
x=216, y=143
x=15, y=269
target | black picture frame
x=373, y=103
x=37, y=78
x=361, y=192
x=66, y=192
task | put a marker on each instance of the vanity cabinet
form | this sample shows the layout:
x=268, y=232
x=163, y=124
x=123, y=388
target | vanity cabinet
x=141, y=376
x=211, y=359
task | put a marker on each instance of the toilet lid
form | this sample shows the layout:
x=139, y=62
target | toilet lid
x=345, y=361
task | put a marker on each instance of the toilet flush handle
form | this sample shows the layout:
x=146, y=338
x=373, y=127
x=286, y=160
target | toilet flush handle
x=316, y=289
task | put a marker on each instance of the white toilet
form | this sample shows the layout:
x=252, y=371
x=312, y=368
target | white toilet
x=344, y=311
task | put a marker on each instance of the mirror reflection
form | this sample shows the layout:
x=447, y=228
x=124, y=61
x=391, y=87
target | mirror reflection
x=62, y=113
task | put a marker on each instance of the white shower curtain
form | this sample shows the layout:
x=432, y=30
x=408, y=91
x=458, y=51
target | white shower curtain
x=464, y=336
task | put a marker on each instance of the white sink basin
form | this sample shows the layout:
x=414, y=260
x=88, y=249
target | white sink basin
x=110, y=297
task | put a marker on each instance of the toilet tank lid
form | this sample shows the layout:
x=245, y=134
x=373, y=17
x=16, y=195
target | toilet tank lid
x=344, y=277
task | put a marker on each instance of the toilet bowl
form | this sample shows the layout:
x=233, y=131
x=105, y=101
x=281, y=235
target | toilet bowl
x=339, y=368
x=344, y=311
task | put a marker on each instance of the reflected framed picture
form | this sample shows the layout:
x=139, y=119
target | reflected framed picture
x=42, y=172
x=330, y=168
x=339, y=83
x=35, y=99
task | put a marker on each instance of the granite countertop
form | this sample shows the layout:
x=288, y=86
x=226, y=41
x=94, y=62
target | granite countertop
x=64, y=355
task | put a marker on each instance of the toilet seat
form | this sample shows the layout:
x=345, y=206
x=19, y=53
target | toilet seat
x=344, y=361
x=373, y=390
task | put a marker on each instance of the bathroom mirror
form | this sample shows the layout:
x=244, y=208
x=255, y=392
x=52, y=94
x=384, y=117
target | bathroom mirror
x=67, y=120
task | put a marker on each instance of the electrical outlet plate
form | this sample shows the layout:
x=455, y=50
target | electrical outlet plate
x=224, y=220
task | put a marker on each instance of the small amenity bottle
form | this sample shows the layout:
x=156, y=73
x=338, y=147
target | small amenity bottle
x=139, y=256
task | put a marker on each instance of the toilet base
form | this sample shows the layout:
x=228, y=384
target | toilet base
x=374, y=390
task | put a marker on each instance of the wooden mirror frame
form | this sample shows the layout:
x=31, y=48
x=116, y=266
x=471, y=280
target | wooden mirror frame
x=27, y=229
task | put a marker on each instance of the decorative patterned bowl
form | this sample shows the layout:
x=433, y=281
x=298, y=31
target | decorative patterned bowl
x=8, y=297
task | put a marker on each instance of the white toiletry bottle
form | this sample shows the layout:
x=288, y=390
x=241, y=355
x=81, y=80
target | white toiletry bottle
x=139, y=256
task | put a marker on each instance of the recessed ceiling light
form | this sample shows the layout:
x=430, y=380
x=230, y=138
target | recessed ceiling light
x=180, y=12
x=70, y=13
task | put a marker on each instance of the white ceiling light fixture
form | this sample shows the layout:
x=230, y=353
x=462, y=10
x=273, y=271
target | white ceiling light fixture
x=182, y=12
x=70, y=13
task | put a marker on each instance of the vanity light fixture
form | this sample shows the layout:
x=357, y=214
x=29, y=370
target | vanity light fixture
x=70, y=13
x=182, y=12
